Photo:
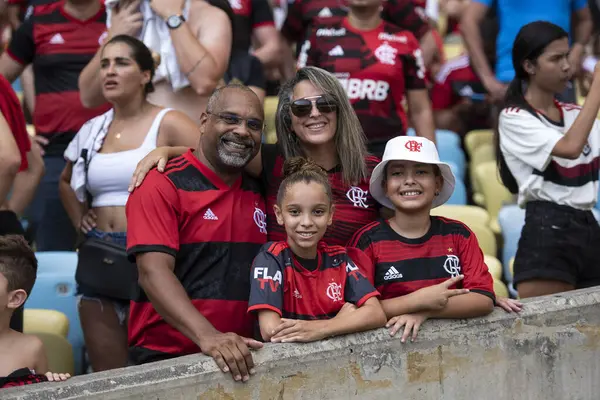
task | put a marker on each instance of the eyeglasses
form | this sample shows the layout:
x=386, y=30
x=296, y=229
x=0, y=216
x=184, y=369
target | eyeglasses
x=233, y=119
x=303, y=107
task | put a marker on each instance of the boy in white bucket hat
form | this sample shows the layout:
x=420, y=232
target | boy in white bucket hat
x=424, y=266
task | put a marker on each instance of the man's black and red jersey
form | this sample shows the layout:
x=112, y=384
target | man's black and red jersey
x=249, y=15
x=303, y=14
x=354, y=206
x=375, y=67
x=59, y=47
x=282, y=284
x=214, y=231
x=402, y=265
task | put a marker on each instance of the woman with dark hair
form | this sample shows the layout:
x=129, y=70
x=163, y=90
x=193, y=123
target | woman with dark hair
x=548, y=154
x=93, y=189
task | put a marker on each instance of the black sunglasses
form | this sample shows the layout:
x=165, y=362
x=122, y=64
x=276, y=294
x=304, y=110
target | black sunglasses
x=303, y=107
x=232, y=119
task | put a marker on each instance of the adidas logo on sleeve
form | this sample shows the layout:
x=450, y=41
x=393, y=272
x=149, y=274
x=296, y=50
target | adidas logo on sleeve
x=392, y=273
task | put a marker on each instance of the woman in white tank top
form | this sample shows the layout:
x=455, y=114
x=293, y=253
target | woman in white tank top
x=100, y=162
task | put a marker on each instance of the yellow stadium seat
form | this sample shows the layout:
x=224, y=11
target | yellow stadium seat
x=485, y=237
x=500, y=288
x=483, y=153
x=30, y=130
x=58, y=351
x=494, y=266
x=270, y=111
x=452, y=50
x=495, y=195
x=511, y=267
x=47, y=321
x=469, y=215
x=476, y=138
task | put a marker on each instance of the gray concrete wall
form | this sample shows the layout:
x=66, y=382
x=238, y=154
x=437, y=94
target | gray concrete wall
x=550, y=352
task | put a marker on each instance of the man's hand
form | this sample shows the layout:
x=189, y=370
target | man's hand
x=411, y=322
x=495, y=89
x=126, y=20
x=231, y=353
x=436, y=297
x=295, y=330
x=167, y=8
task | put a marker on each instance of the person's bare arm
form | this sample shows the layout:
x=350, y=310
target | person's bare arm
x=468, y=305
x=74, y=208
x=39, y=353
x=10, y=159
x=168, y=297
x=419, y=108
x=124, y=21
x=13, y=12
x=177, y=129
x=10, y=68
x=268, y=320
x=203, y=55
x=582, y=32
x=269, y=49
x=26, y=182
x=428, y=47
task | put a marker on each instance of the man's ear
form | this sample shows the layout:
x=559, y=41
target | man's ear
x=278, y=214
x=16, y=298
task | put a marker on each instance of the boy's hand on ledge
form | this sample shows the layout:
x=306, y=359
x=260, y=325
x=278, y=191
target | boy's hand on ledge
x=411, y=322
x=54, y=377
x=509, y=305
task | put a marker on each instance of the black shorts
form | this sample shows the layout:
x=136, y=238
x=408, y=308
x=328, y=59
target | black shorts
x=558, y=243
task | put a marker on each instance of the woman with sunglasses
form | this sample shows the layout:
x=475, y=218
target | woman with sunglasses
x=315, y=120
x=379, y=64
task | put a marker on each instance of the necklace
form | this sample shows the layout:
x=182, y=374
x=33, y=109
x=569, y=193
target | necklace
x=118, y=135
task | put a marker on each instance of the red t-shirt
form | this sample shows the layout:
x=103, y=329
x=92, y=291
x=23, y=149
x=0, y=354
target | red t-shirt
x=375, y=67
x=11, y=110
x=354, y=206
x=402, y=266
x=214, y=231
x=282, y=284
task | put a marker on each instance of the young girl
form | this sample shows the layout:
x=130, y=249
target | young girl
x=549, y=155
x=424, y=266
x=300, y=285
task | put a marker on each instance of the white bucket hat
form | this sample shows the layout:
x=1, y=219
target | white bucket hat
x=411, y=148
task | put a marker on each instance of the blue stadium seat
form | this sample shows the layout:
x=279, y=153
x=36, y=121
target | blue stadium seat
x=55, y=289
x=459, y=197
x=441, y=136
x=511, y=219
x=449, y=148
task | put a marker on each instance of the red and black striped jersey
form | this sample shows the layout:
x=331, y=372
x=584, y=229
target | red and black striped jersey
x=354, y=206
x=214, y=231
x=59, y=46
x=21, y=377
x=249, y=15
x=402, y=266
x=280, y=283
x=303, y=14
x=375, y=67
x=10, y=109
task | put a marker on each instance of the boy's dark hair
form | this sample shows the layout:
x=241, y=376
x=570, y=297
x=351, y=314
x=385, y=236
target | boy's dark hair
x=530, y=43
x=17, y=263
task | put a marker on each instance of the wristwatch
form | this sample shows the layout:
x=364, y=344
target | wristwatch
x=175, y=21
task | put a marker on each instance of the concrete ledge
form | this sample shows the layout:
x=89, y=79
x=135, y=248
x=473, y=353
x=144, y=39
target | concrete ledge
x=551, y=351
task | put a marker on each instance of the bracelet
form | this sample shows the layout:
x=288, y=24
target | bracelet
x=195, y=66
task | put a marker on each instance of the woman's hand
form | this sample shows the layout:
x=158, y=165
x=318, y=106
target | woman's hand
x=295, y=330
x=88, y=221
x=411, y=322
x=156, y=158
x=509, y=305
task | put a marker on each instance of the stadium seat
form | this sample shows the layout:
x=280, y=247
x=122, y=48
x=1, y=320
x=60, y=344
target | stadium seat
x=30, y=130
x=476, y=138
x=511, y=266
x=511, y=219
x=270, y=111
x=49, y=321
x=494, y=266
x=500, y=288
x=58, y=351
x=55, y=289
x=444, y=136
x=495, y=195
x=485, y=238
x=483, y=153
x=468, y=215
x=452, y=50
x=459, y=196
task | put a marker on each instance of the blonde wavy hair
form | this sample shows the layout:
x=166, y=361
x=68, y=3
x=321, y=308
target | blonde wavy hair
x=350, y=140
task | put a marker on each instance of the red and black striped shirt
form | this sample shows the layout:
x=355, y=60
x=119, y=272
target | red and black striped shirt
x=10, y=109
x=303, y=14
x=214, y=231
x=249, y=15
x=354, y=206
x=21, y=377
x=402, y=266
x=59, y=46
x=282, y=284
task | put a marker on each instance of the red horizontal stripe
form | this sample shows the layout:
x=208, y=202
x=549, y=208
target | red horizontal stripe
x=397, y=289
x=261, y=307
x=14, y=57
x=577, y=170
x=261, y=24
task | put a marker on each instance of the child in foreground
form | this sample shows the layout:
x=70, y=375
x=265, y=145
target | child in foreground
x=22, y=357
x=424, y=266
x=299, y=287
